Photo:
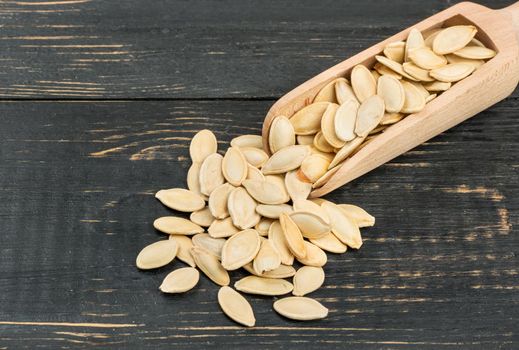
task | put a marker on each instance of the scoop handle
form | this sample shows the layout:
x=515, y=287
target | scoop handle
x=513, y=11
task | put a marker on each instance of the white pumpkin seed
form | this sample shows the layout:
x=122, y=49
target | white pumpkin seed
x=267, y=259
x=430, y=35
x=283, y=271
x=369, y=115
x=234, y=166
x=218, y=201
x=300, y=308
x=344, y=92
x=277, y=239
x=286, y=159
x=414, y=40
x=311, y=225
x=254, y=156
x=307, y=121
x=247, y=141
x=263, y=226
x=293, y=236
x=330, y=243
x=417, y=72
x=180, y=280
x=305, y=139
x=359, y=215
x=344, y=228
x=254, y=173
x=240, y=249
x=391, y=118
x=363, y=83
x=375, y=74
x=452, y=58
x=395, y=51
x=281, y=134
x=328, y=126
x=323, y=179
x=180, y=199
x=346, y=151
x=210, y=244
x=345, y=118
x=437, y=86
x=453, y=38
x=184, y=249
x=263, y=286
x=425, y=58
x=222, y=228
x=193, y=179
x=414, y=100
x=392, y=92
x=176, y=226
x=314, y=166
x=315, y=256
x=236, y=306
x=202, y=145
x=311, y=207
x=273, y=211
x=296, y=188
x=211, y=173
x=321, y=144
x=327, y=92
x=395, y=66
x=307, y=279
x=202, y=217
x=269, y=191
x=242, y=208
x=420, y=88
x=210, y=266
x=383, y=70
x=157, y=254
x=452, y=72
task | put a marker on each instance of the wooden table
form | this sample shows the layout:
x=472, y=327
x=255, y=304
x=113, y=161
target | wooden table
x=99, y=101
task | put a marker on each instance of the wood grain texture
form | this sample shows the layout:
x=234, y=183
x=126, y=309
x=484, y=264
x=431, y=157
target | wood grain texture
x=188, y=49
x=438, y=271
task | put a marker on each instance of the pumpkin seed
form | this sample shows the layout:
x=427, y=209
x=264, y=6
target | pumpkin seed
x=240, y=249
x=278, y=241
x=222, y=228
x=323, y=179
x=267, y=259
x=417, y=72
x=420, y=88
x=296, y=188
x=392, y=92
x=375, y=74
x=321, y=144
x=242, y=209
x=307, y=280
x=430, y=35
x=254, y=173
x=293, y=236
x=300, y=308
x=311, y=225
x=180, y=280
x=218, y=201
x=475, y=42
x=286, y=159
x=305, y=139
x=328, y=126
x=383, y=70
x=430, y=98
x=307, y=121
x=344, y=92
x=193, y=179
x=208, y=243
x=263, y=286
x=211, y=173
x=377, y=130
x=414, y=100
x=453, y=38
x=344, y=122
x=452, y=72
x=361, y=217
x=437, y=86
x=391, y=118
x=315, y=256
x=314, y=166
x=345, y=151
x=369, y=115
x=425, y=58
x=330, y=243
x=270, y=191
x=263, y=226
x=210, y=266
x=254, y=156
x=281, y=134
x=452, y=58
x=234, y=166
x=202, y=217
x=395, y=66
x=255, y=141
x=309, y=206
x=202, y=145
x=414, y=40
x=184, y=249
x=475, y=53
x=180, y=199
x=363, y=83
x=283, y=271
x=395, y=51
x=273, y=211
x=344, y=228
x=327, y=93
x=236, y=306
x=157, y=254
x=176, y=226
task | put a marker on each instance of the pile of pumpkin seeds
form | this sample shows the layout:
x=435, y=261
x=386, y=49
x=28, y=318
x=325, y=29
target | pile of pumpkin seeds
x=345, y=115
x=256, y=209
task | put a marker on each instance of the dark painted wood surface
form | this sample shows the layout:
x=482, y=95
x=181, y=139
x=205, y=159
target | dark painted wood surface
x=438, y=271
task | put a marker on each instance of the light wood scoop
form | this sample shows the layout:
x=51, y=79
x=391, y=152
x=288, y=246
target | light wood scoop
x=489, y=84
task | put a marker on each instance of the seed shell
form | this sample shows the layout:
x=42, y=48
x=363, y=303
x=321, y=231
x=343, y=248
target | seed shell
x=235, y=306
x=180, y=199
x=307, y=280
x=180, y=280
x=157, y=254
x=202, y=145
x=234, y=166
x=263, y=286
x=300, y=308
x=240, y=249
x=210, y=266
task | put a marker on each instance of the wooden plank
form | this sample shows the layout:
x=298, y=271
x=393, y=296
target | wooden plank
x=187, y=49
x=438, y=271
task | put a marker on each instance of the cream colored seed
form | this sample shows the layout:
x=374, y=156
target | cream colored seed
x=344, y=228
x=283, y=271
x=311, y=207
x=327, y=93
x=420, y=88
x=395, y=51
x=307, y=121
x=346, y=151
x=180, y=280
x=453, y=38
x=210, y=244
x=180, y=199
x=392, y=92
x=281, y=134
x=296, y=188
x=254, y=173
x=330, y=243
x=425, y=58
x=475, y=53
x=328, y=126
x=315, y=256
x=254, y=156
x=375, y=74
x=369, y=115
x=236, y=306
x=234, y=166
x=344, y=92
x=417, y=72
x=210, y=266
x=323, y=179
x=314, y=166
x=211, y=173
x=267, y=259
x=452, y=72
x=437, y=86
x=414, y=100
x=430, y=35
x=184, y=249
x=391, y=118
x=157, y=254
x=247, y=141
x=383, y=70
x=222, y=228
x=278, y=241
x=363, y=83
x=305, y=139
x=269, y=191
x=300, y=308
x=240, y=249
x=293, y=236
x=321, y=144
x=311, y=225
x=456, y=59
x=307, y=280
x=202, y=145
x=395, y=66
x=193, y=179
x=273, y=211
x=263, y=225
x=345, y=120
x=218, y=201
x=263, y=286
x=202, y=217
x=359, y=215
x=286, y=159
x=414, y=40
x=175, y=225
x=242, y=208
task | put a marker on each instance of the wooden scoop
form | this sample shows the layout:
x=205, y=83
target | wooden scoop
x=489, y=84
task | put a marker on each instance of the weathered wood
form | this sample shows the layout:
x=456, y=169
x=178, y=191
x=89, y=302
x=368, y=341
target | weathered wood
x=438, y=271
x=187, y=49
